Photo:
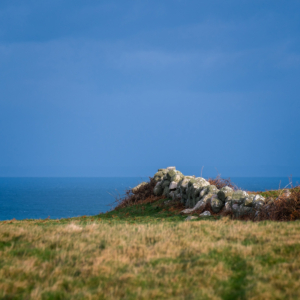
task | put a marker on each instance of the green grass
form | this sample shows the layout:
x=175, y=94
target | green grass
x=147, y=251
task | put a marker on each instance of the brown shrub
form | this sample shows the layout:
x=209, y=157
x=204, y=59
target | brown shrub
x=221, y=182
x=143, y=195
x=283, y=208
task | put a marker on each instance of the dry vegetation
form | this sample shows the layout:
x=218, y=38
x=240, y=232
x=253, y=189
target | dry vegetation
x=143, y=195
x=278, y=206
x=204, y=259
x=144, y=250
x=220, y=182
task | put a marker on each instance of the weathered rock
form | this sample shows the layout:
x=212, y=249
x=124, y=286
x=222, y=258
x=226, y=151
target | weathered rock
x=166, y=191
x=200, y=204
x=173, y=185
x=224, y=192
x=135, y=189
x=238, y=197
x=165, y=183
x=172, y=194
x=241, y=210
x=211, y=189
x=178, y=195
x=170, y=174
x=229, y=199
x=203, y=192
x=190, y=218
x=159, y=175
x=195, y=186
x=235, y=208
x=216, y=204
x=205, y=214
x=183, y=183
x=207, y=198
x=165, y=171
x=158, y=189
x=245, y=210
x=199, y=181
x=258, y=201
x=227, y=207
x=187, y=211
x=249, y=201
x=171, y=168
x=176, y=178
x=259, y=198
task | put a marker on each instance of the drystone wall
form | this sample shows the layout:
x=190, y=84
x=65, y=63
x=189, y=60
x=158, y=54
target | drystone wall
x=196, y=192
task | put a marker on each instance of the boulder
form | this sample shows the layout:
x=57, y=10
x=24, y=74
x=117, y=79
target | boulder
x=241, y=210
x=235, y=209
x=200, y=204
x=173, y=185
x=207, y=198
x=136, y=188
x=159, y=175
x=158, y=189
x=259, y=198
x=166, y=191
x=245, y=210
x=172, y=194
x=183, y=183
x=199, y=181
x=165, y=183
x=176, y=178
x=224, y=192
x=249, y=201
x=238, y=197
x=205, y=214
x=227, y=207
x=216, y=204
x=157, y=178
x=170, y=174
x=187, y=211
x=183, y=198
x=171, y=168
x=203, y=192
x=165, y=171
x=211, y=189
x=195, y=186
x=175, y=195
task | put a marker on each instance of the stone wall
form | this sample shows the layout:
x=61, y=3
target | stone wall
x=196, y=192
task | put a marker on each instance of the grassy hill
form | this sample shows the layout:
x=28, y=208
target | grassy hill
x=147, y=251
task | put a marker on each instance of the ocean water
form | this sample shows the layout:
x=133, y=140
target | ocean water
x=39, y=198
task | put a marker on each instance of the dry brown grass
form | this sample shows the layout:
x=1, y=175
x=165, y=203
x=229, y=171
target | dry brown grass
x=204, y=259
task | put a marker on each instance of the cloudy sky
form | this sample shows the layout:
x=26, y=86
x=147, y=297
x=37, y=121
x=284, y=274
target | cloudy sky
x=122, y=88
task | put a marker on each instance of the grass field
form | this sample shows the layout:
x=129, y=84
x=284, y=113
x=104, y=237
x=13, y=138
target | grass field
x=148, y=252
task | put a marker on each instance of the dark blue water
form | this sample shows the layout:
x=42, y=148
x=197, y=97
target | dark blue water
x=38, y=198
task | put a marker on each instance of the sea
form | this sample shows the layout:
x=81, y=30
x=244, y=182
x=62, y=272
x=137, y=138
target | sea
x=55, y=198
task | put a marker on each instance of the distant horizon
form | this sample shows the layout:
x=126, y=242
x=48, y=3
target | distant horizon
x=84, y=172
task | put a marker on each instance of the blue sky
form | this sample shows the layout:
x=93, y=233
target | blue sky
x=122, y=88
